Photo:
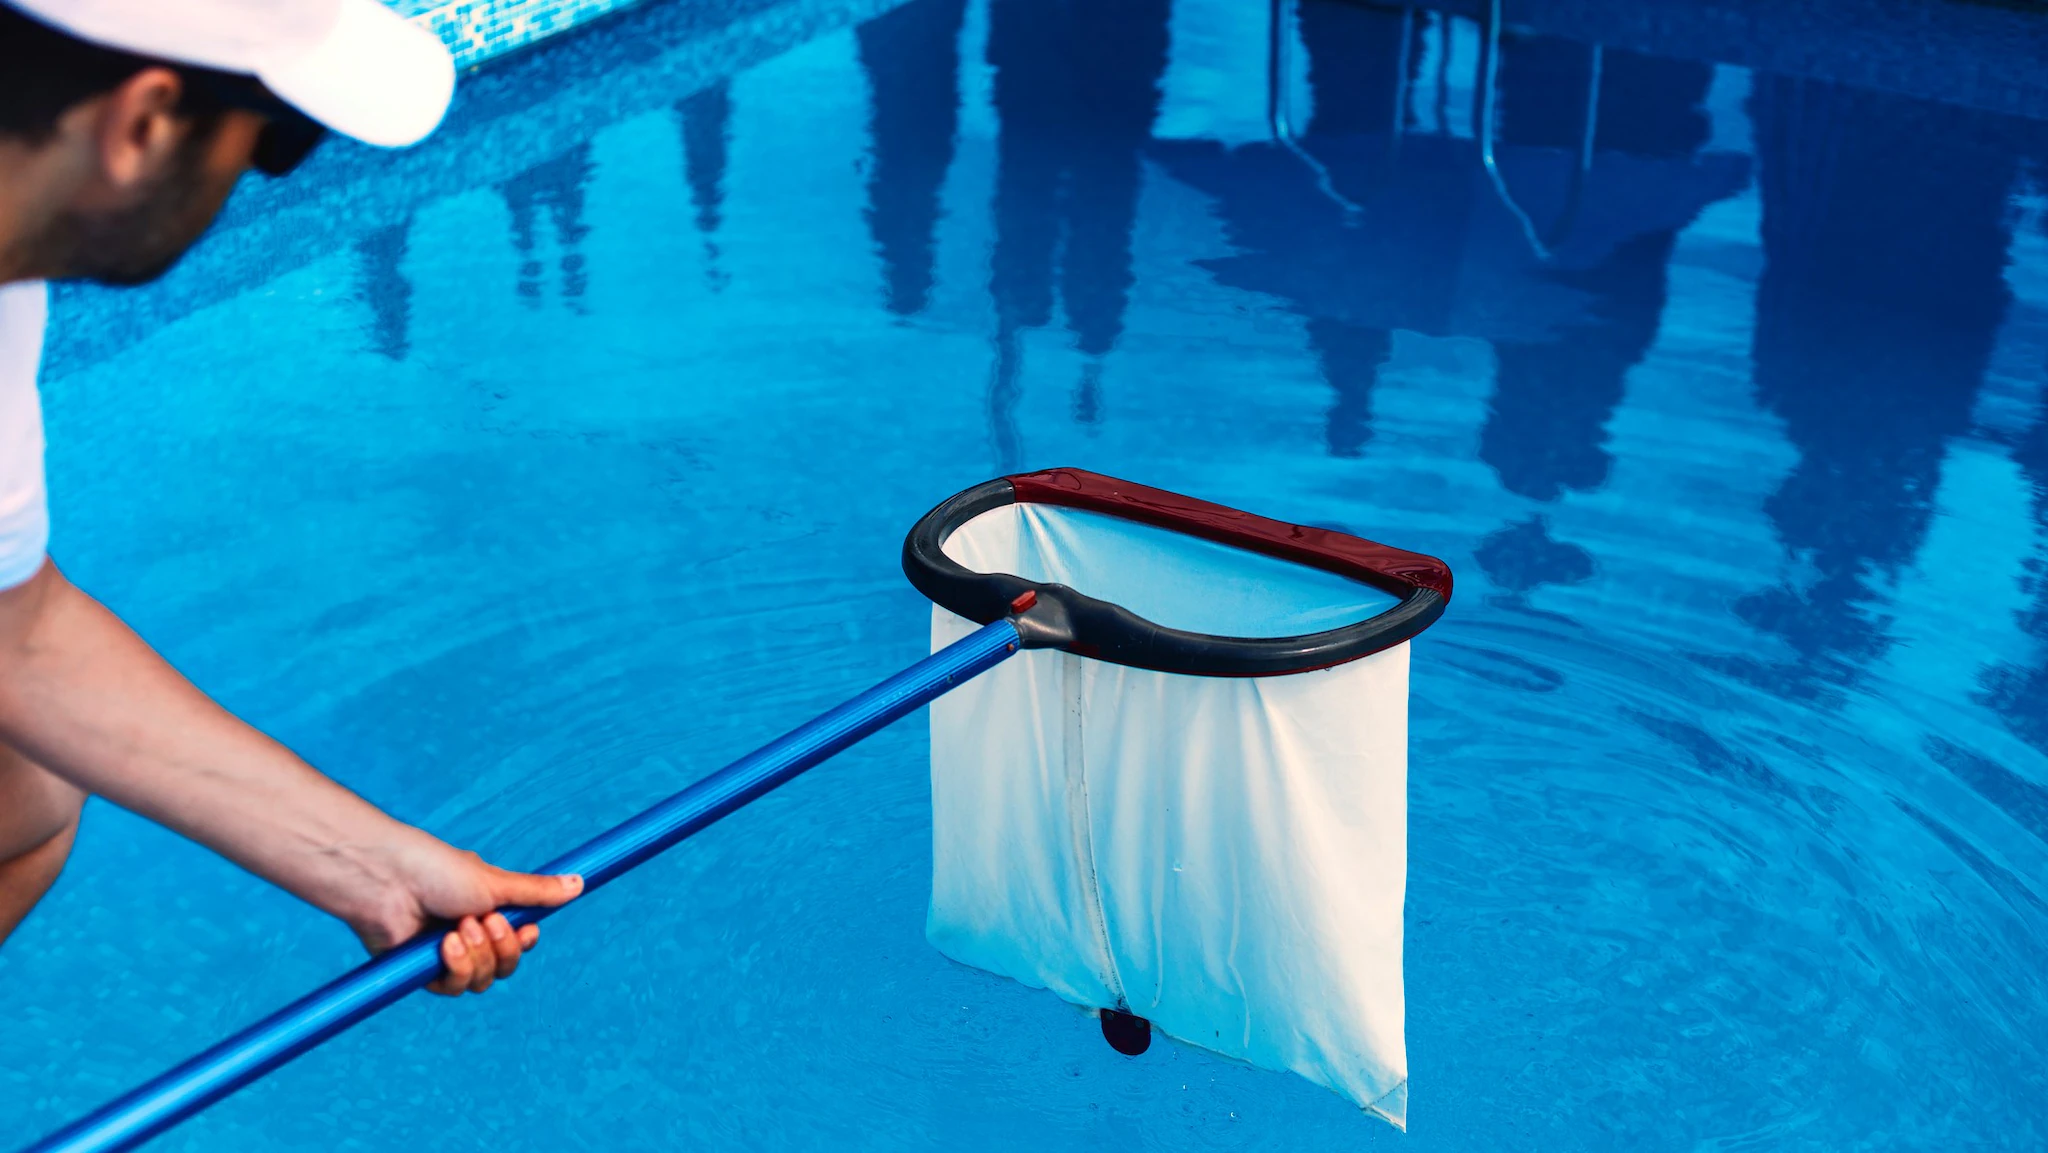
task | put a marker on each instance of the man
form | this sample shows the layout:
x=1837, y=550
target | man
x=123, y=126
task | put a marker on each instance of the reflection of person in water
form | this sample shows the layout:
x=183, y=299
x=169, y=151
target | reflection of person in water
x=1545, y=431
x=1885, y=239
x=912, y=59
x=2020, y=693
x=558, y=186
x=707, y=130
x=380, y=272
x=1077, y=88
x=1354, y=55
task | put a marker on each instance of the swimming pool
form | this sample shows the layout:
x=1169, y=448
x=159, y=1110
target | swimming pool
x=520, y=479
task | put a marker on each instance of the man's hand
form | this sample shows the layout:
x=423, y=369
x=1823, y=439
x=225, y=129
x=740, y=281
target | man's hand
x=434, y=882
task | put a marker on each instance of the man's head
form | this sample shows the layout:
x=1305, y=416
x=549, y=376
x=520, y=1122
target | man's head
x=124, y=124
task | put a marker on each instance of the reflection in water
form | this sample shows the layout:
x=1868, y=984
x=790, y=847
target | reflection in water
x=1355, y=78
x=912, y=60
x=1545, y=433
x=557, y=185
x=381, y=282
x=1077, y=88
x=1524, y=556
x=2025, y=801
x=1351, y=356
x=707, y=134
x=1355, y=66
x=1885, y=237
x=1435, y=251
x=2020, y=694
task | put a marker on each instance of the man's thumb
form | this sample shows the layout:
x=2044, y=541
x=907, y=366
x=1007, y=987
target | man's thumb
x=536, y=889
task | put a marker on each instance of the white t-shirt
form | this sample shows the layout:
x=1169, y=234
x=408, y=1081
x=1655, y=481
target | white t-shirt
x=24, y=506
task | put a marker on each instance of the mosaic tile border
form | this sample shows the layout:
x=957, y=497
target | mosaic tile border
x=480, y=30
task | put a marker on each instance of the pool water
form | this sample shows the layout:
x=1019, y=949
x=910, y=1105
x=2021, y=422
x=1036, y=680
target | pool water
x=520, y=479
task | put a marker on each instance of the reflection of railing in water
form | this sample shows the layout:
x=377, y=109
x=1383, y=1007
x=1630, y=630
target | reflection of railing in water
x=1546, y=242
x=1486, y=118
x=1280, y=35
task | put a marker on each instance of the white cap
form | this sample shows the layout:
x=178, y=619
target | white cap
x=353, y=65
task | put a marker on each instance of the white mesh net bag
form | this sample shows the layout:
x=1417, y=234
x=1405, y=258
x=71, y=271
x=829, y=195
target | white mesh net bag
x=1191, y=808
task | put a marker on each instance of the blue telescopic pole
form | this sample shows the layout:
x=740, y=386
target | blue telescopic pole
x=219, y=1071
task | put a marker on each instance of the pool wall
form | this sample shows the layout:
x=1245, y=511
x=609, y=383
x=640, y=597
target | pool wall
x=479, y=30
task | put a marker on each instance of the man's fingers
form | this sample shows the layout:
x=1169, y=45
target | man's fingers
x=455, y=958
x=483, y=949
x=534, y=888
x=504, y=944
x=483, y=961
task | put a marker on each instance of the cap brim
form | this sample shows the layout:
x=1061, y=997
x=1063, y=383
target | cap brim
x=375, y=76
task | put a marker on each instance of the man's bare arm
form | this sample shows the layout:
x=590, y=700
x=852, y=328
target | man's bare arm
x=89, y=700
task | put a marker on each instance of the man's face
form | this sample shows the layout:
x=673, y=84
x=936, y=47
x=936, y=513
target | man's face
x=137, y=240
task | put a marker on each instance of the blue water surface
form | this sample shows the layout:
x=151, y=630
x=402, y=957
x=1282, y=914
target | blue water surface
x=521, y=478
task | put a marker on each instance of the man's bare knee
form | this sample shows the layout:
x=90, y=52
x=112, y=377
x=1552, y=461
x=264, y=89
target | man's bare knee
x=25, y=878
x=36, y=806
x=38, y=821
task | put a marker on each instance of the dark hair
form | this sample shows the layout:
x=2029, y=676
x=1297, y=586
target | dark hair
x=45, y=72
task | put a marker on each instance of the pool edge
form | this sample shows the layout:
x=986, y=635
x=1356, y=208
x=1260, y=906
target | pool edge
x=479, y=31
